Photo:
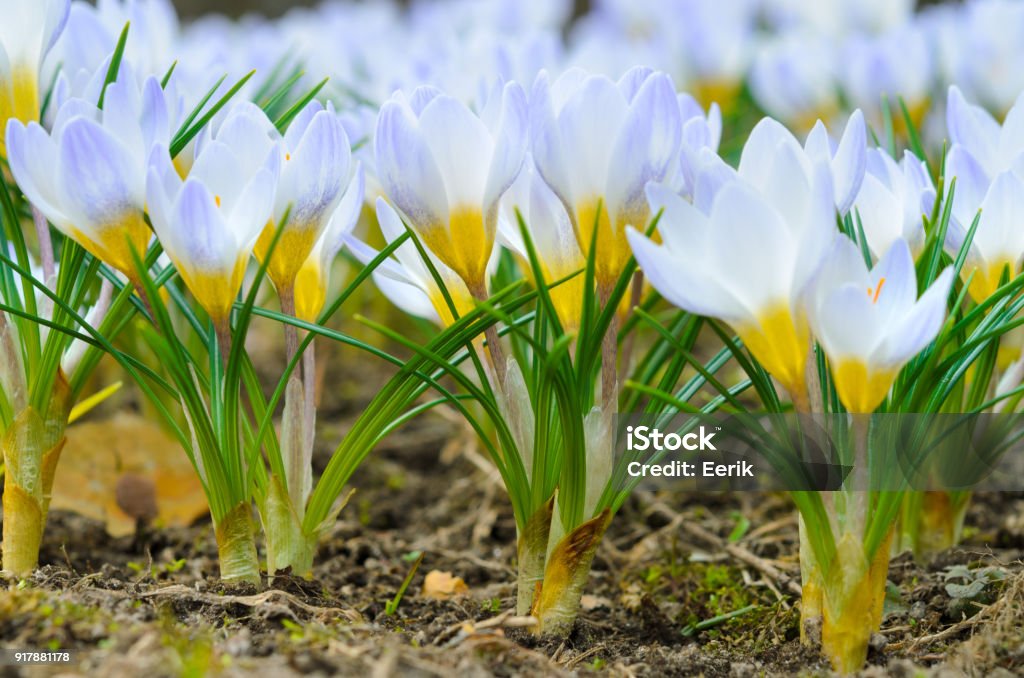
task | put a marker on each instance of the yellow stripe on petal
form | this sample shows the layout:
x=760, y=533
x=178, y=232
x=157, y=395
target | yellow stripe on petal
x=461, y=299
x=612, y=248
x=215, y=291
x=465, y=246
x=310, y=291
x=986, y=280
x=113, y=243
x=19, y=99
x=292, y=250
x=861, y=390
x=781, y=343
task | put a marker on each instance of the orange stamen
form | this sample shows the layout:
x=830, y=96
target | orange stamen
x=877, y=291
x=217, y=200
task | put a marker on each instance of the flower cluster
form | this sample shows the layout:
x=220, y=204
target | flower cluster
x=591, y=161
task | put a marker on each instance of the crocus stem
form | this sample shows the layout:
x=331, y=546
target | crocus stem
x=609, y=358
x=236, y=546
x=12, y=375
x=45, y=244
x=494, y=349
x=223, y=331
x=283, y=510
x=636, y=295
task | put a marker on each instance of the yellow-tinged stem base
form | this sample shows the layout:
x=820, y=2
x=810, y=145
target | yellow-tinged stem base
x=557, y=603
x=932, y=522
x=853, y=598
x=812, y=591
x=532, y=549
x=236, y=546
x=288, y=546
x=31, y=445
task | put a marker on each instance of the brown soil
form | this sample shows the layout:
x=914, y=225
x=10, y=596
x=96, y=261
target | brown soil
x=153, y=608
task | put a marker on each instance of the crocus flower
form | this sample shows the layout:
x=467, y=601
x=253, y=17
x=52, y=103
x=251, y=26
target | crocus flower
x=27, y=32
x=88, y=176
x=898, y=64
x=987, y=161
x=793, y=78
x=445, y=170
x=893, y=200
x=553, y=240
x=870, y=322
x=209, y=223
x=313, y=277
x=597, y=143
x=405, y=279
x=748, y=258
x=315, y=174
x=700, y=130
x=846, y=161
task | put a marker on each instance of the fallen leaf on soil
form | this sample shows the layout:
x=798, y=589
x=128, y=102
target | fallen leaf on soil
x=442, y=585
x=589, y=602
x=100, y=454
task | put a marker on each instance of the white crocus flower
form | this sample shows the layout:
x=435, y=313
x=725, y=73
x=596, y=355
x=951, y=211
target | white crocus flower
x=314, y=276
x=597, y=143
x=553, y=240
x=27, y=32
x=893, y=201
x=870, y=322
x=88, y=176
x=315, y=175
x=209, y=223
x=405, y=280
x=748, y=258
x=846, y=161
x=445, y=170
x=700, y=131
x=987, y=160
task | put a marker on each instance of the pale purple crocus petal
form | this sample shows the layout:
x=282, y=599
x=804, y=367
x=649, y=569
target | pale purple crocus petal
x=648, y=143
x=407, y=169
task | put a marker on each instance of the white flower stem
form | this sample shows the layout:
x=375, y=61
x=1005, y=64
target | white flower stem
x=45, y=244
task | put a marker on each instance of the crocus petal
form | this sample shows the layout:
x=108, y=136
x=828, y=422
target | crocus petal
x=916, y=329
x=999, y=235
x=407, y=170
x=844, y=323
x=647, y=144
x=207, y=244
x=509, y=147
x=849, y=162
x=972, y=127
x=880, y=213
x=461, y=146
x=894, y=283
x=680, y=281
x=971, y=184
x=315, y=173
x=546, y=143
x=752, y=238
x=97, y=176
x=33, y=159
